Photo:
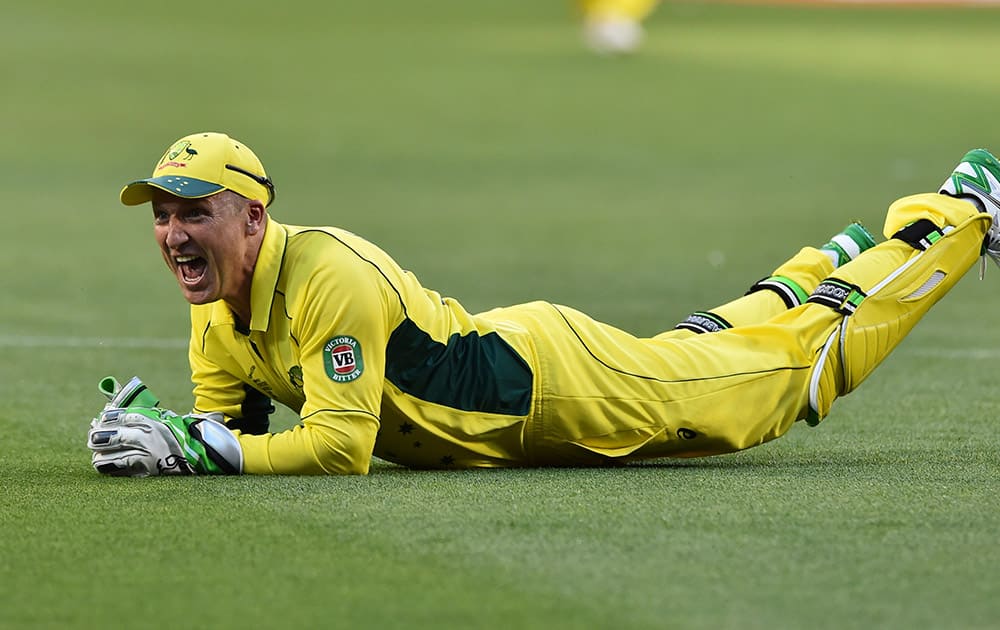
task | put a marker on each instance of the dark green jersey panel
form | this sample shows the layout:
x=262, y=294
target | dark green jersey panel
x=470, y=372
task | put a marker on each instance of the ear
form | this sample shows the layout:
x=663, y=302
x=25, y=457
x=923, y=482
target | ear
x=256, y=217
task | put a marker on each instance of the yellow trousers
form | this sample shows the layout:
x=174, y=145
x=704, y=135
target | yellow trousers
x=608, y=396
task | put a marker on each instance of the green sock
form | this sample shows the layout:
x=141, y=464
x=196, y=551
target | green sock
x=845, y=246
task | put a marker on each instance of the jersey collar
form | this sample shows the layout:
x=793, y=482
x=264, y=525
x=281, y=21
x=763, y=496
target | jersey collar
x=265, y=274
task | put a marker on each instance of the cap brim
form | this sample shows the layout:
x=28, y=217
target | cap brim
x=141, y=190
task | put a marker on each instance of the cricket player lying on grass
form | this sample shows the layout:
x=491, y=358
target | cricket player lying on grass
x=326, y=323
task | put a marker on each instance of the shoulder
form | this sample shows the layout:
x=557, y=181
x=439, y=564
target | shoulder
x=315, y=244
x=330, y=251
x=320, y=262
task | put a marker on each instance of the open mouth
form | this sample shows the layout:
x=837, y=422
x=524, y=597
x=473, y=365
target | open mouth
x=192, y=268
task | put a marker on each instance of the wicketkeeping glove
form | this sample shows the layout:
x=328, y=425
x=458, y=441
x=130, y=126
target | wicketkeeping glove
x=140, y=441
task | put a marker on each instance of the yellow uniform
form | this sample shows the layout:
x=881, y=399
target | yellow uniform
x=377, y=364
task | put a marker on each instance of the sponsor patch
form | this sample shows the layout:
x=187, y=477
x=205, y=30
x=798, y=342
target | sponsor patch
x=342, y=359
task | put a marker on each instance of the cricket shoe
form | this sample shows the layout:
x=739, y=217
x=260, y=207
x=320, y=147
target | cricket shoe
x=977, y=179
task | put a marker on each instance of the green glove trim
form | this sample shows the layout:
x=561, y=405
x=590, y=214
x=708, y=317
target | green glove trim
x=199, y=454
x=133, y=394
x=207, y=445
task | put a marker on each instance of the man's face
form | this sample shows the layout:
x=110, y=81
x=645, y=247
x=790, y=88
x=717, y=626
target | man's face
x=205, y=242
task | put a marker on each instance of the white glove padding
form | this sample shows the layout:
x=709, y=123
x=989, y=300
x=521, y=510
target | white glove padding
x=129, y=444
x=140, y=442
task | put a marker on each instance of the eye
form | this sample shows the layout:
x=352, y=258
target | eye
x=159, y=217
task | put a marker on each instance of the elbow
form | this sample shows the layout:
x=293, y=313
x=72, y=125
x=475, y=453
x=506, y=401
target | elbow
x=340, y=465
x=339, y=444
x=343, y=457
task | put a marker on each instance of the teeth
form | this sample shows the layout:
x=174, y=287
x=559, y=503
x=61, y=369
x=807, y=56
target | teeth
x=184, y=259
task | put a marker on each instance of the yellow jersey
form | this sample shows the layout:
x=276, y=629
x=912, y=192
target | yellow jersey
x=373, y=363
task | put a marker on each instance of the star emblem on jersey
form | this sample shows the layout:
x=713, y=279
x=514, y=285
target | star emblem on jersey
x=342, y=359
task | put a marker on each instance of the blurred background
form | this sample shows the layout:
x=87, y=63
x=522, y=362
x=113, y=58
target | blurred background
x=483, y=144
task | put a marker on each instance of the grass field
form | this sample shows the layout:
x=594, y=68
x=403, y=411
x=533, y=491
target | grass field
x=490, y=154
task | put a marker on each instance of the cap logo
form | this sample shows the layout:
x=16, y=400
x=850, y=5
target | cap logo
x=342, y=359
x=181, y=146
x=182, y=149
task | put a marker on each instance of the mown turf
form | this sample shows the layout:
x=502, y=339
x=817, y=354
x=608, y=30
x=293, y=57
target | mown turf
x=495, y=158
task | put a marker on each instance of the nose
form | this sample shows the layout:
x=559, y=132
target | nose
x=176, y=236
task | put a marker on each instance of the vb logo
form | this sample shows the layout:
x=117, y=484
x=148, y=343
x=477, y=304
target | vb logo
x=342, y=359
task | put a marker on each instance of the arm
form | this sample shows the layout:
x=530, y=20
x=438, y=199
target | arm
x=340, y=320
x=326, y=443
x=335, y=439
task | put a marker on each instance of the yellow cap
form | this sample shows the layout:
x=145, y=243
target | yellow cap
x=203, y=164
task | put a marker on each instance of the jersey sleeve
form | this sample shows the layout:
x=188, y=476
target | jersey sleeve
x=340, y=316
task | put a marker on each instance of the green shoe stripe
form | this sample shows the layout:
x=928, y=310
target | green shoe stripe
x=978, y=159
